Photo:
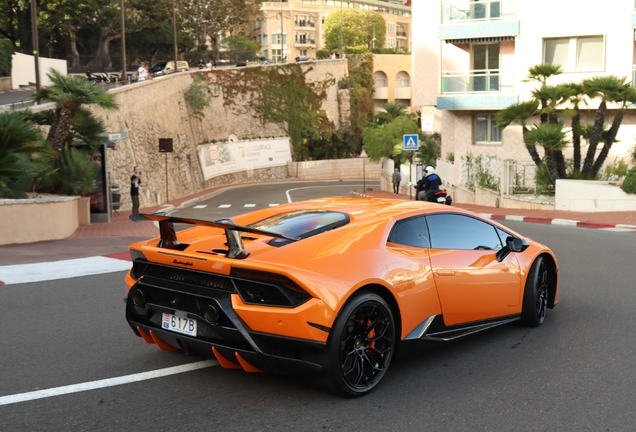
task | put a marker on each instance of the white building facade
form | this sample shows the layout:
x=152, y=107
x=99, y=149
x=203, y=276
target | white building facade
x=470, y=60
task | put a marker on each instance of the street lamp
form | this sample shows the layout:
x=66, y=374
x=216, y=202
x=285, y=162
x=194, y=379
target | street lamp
x=123, y=40
x=174, y=35
x=282, y=49
x=36, y=47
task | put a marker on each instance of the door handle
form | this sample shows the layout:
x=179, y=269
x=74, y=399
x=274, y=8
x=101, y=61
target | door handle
x=445, y=272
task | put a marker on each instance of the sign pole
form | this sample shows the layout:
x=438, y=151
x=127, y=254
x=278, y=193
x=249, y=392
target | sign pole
x=167, y=197
x=411, y=143
x=363, y=155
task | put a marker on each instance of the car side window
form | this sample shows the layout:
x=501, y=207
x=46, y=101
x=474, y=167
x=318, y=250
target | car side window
x=410, y=232
x=454, y=231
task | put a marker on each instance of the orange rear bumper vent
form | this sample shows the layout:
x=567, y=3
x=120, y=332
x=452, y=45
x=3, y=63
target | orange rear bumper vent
x=145, y=336
x=161, y=344
x=225, y=363
x=246, y=366
x=228, y=364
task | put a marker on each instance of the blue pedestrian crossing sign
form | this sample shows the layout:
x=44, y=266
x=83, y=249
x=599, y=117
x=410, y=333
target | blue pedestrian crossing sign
x=411, y=142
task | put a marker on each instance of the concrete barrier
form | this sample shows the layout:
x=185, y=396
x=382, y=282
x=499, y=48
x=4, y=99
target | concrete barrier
x=592, y=196
x=38, y=219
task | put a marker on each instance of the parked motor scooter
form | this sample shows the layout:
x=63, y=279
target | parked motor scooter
x=114, y=77
x=93, y=78
x=105, y=78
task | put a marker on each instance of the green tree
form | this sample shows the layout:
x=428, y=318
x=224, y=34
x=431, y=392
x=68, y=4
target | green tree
x=386, y=140
x=391, y=111
x=546, y=104
x=352, y=27
x=608, y=89
x=18, y=137
x=209, y=18
x=241, y=45
x=69, y=95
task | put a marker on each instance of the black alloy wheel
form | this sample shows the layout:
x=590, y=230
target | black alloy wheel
x=361, y=345
x=535, y=296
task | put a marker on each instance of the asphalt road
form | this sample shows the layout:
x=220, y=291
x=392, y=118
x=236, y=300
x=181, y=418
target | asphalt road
x=573, y=373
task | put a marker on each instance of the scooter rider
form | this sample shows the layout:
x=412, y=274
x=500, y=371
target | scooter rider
x=429, y=184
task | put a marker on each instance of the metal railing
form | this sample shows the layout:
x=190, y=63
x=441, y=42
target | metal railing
x=476, y=81
x=518, y=177
x=486, y=10
x=304, y=42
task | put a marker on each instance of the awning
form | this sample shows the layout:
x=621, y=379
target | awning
x=479, y=39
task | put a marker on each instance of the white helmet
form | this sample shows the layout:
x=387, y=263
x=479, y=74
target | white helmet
x=429, y=170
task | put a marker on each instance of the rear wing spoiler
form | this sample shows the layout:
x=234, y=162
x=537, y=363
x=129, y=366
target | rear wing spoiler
x=232, y=231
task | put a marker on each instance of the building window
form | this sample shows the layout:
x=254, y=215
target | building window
x=391, y=28
x=276, y=39
x=391, y=42
x=485, y=129
x=575, y=54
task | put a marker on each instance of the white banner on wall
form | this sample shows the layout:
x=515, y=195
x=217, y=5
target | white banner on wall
x=228, y=157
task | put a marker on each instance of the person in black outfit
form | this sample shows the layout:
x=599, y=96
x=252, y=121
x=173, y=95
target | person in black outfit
x=429, y=184
x=135, y=181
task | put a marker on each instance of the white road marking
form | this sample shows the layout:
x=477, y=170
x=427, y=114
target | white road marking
x=249, y=205
x=315, y=187
x=225, y=206
x=274, y=205
x=65, y=269
x=200, y=206
x=109, y=382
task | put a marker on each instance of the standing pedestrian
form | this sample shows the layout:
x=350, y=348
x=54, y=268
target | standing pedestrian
x=135, y=182
x=142, y=72
x=397, y=178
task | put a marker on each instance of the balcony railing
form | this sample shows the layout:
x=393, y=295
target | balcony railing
x=380, y=83
x=304, y=24
x=478, y=11
x=305, y=42
x=400, y=34
x=476, y=81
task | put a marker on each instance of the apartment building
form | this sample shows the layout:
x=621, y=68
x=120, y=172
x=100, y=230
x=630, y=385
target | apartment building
x=470, y=59
x=294, y=28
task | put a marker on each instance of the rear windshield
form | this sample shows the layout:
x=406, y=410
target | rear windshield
x=302, y=224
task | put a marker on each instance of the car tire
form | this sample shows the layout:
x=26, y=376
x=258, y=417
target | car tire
x=360, y=347
x=535, y=295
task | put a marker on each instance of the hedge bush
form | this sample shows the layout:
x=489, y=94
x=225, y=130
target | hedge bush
x=6, y=51
x=629, y=184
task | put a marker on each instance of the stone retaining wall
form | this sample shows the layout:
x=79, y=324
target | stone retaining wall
x=157, y=109
x=39, y=219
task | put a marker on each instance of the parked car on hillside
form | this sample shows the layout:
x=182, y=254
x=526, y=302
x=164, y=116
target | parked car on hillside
x=167, y=67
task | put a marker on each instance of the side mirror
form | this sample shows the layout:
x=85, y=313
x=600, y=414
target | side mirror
x=513, y=244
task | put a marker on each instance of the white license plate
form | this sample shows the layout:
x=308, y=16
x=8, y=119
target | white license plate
x=441, y=199
x=179, y=324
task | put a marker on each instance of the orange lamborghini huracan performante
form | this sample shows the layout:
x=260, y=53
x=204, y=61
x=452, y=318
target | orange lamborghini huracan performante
x=329, y=288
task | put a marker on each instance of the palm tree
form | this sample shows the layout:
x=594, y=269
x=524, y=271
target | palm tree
x=520, y=114
x=69, y=94
x=17, y=136
x=392, y=110
x=609, y=89
x=552, y=138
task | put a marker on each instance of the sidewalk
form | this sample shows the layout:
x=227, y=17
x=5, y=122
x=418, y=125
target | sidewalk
x=113, y=238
